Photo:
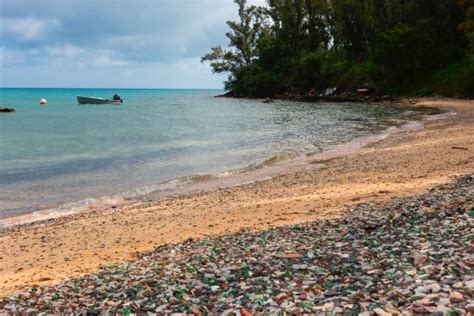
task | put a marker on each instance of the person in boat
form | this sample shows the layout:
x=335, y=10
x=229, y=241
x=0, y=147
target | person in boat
x=116, y=97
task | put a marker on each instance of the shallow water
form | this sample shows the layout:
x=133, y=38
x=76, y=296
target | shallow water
x=67, y=153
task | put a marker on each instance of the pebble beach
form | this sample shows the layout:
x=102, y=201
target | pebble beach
x=411, y=255
x=386, y=231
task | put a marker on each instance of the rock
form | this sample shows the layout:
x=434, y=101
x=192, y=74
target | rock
x=443, y=309
x=289, y=256
x=392, y=311
x=433, y=296
x=195, y=310
x=470, y=284
x=421, y=290
x=281, y=296
x=419, y=259
x=271, y=302
x=456, y=297
x=381, y=312
x=419, y=309
x=411, y=272
x=424, y=301
x=434, y=288
x=470, y=308
x=329, y=305
x=338, y=310
x=6, y=109
x=229, y=94
x=430, y=309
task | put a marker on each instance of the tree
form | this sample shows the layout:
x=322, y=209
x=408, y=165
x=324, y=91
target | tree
x=243, y=36
x=352, y=27
x=400, y=46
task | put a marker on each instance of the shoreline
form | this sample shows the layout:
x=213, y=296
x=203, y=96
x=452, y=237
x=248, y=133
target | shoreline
x=51, y=251
x=202, y=183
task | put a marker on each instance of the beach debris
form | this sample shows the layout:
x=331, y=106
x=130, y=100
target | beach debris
x=330, y=91
x=366, y=90
x=6, y=109
x=43, y=101
x=380, y=258
x=460, y=148
x=363, y=91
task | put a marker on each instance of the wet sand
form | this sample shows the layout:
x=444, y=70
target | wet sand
x=403, y=163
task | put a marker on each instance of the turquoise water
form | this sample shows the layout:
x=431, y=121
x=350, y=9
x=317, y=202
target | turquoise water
x=64, y=152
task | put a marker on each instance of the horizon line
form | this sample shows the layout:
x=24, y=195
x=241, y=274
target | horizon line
x=111, y=88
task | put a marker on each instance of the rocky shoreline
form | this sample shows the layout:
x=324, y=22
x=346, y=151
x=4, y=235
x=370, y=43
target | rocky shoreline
x=365, y=94
x=410, y=255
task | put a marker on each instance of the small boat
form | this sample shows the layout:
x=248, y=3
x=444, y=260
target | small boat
x=96, y=100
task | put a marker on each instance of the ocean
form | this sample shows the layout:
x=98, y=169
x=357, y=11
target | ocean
x=64, y=155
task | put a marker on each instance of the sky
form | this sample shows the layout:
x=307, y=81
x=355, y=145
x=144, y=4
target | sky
x=111, y=43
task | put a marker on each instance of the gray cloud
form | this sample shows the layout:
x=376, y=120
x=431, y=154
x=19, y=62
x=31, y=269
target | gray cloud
x=139, y=34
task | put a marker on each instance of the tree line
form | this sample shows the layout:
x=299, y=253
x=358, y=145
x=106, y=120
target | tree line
x=410, y=47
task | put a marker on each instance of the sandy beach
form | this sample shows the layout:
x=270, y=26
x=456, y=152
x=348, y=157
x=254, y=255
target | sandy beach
x=404, y=163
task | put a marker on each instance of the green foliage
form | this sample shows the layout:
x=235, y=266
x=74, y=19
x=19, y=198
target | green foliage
x=307, y=70
x=221, y=60
x=252, y=81
x=455, y=80
x=243, y=36
x=470, y=53
x=410, y=47
x=400, y=49
x=366, y=72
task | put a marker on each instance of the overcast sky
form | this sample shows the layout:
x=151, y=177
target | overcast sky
x=111, y=43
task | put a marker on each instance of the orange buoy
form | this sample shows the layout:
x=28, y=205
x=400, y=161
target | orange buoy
x=43, y=101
